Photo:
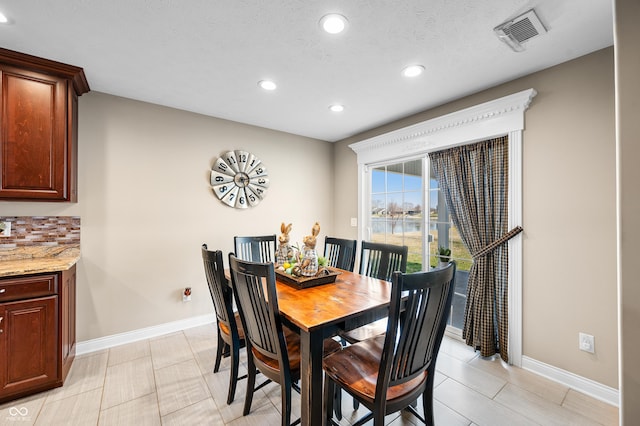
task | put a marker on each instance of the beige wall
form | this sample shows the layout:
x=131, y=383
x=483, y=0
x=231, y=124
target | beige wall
x=569, y=217
x=627, y=34
x=146, y=207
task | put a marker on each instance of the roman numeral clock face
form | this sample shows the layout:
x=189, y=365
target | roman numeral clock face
x=239, y=179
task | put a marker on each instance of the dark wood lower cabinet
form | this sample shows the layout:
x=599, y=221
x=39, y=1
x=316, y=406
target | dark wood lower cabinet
x=29, y=344
x=37, y=332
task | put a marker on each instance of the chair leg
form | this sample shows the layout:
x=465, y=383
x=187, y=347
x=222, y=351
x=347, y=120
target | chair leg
x=337, y=402
x=251, y=382
x=221, y=344
x=330, y=391
x=378, y=418
x=233, y=374
x=427, y=401
x=285, y=390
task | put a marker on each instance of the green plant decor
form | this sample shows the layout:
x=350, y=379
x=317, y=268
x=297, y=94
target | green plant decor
x=444, y=254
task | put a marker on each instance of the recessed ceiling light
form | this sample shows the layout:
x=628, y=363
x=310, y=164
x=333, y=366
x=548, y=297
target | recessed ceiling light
x=336, y=108
x=413, y=70
x=3, y=18
x=333, y=23
x=267, y=84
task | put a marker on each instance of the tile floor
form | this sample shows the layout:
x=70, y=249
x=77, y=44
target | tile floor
x=169, y=381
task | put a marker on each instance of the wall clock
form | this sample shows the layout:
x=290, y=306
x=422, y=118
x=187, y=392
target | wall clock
x=239, y=179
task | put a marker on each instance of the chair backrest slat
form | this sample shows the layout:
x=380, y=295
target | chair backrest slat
x=340, y=253
x=259, y=248
x=221, y=293
x=382, y=260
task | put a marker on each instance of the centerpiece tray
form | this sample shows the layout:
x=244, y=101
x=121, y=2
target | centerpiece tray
x=306, y=282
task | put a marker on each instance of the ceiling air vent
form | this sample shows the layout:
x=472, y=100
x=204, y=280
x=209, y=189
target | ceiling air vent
x=520, y=29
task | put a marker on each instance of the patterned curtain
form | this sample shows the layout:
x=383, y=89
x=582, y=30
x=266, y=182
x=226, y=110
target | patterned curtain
x=474, y=181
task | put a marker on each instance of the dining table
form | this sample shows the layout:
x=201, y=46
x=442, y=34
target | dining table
x=323, y=311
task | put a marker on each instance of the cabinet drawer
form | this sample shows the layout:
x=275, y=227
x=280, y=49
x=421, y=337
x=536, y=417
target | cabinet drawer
x=28, y=287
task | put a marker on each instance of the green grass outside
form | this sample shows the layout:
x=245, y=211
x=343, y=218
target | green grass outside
x=413, y=240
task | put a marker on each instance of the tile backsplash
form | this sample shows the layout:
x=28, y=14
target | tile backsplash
x=41, y=231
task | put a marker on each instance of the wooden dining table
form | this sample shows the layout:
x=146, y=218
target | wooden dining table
x=322, y=311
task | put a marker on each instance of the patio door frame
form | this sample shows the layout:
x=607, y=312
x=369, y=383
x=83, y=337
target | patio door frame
x=503, y=116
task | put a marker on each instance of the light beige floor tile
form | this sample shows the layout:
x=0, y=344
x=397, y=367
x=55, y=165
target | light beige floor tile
x=592, y=408
x=129, y=352
x=474, y=378
x=218, y=384
x=541, y=386
x=172, y=349
x=86, y=373
x=442, y=415
x=477, y=407
x=201, y=337
x=264, y=415
x=180, y=385
x=206, y=358
x=79, y=409
x=201, y=330
x=457, y=349
x=274, y=394
x=438, y=378
x=535, y=407
x=127, y=381
x=142, y=411
x=23, y=411
x=201, y=413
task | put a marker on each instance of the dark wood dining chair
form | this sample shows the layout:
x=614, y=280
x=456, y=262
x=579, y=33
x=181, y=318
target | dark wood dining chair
x=379, y=261
x=229, y=326
x=340, y=253
x=272, y=348
x=261, y=248
x=389, y=372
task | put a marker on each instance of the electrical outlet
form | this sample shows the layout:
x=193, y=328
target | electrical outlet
x=586, y=343
x=186, y=294
x=6, y=229
x=354, y=221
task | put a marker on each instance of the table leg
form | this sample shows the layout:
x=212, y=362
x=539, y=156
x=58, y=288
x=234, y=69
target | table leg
x=311, y=349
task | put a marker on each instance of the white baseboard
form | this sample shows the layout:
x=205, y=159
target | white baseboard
x=581, y=384
x=107, y=342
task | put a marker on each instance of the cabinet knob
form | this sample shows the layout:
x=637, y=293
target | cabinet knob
x=2, y=290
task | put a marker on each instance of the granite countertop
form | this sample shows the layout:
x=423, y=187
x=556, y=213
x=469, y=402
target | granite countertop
x=37, y=259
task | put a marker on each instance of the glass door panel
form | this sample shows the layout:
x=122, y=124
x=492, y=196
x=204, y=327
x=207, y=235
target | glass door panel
x=396, y=214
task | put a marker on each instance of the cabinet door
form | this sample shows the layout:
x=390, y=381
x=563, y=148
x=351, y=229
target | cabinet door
x=34, y=149
x=28, y=345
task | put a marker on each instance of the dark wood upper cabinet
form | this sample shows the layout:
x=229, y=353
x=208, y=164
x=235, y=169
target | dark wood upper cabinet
x=38, y=128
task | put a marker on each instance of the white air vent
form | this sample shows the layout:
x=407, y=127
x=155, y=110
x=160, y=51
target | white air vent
x=520, y=29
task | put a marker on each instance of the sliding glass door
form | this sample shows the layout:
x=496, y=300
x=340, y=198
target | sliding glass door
x=406, y=207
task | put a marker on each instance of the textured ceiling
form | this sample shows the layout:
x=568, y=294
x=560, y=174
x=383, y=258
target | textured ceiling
x=207, y=56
